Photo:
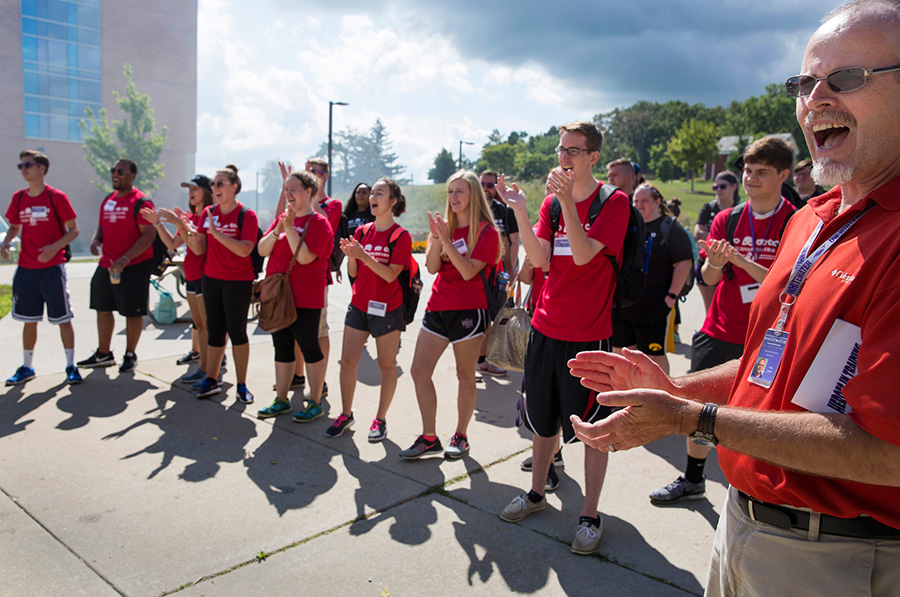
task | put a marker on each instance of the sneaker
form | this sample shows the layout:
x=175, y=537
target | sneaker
x=222, y=371
x=421, y=447
x=191, y=357
x=73, y=377
x=208, y=387
x=192, y=378
x=278, y=407
x=324, y=390
x=129, y=362
x=521, y=507
x=587, y=536
x=678, y=490
x=339, y=425
x=22, y=375
x=557, y=462
x=377, y=430
x=459, y=446
x=243, y=394
x=478, y=376
x=490, y=369
x=552, y=482
x=310, y=412
x=98, y=359
x=298, y=382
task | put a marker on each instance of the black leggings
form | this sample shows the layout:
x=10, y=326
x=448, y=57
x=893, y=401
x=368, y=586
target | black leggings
x=306, y=333
x=227, y=303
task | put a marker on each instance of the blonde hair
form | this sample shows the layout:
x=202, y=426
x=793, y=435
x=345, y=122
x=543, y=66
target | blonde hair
x=479, y=210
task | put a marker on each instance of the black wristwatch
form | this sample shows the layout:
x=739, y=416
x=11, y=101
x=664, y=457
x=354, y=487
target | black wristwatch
x=672, y=295
x=705, y=436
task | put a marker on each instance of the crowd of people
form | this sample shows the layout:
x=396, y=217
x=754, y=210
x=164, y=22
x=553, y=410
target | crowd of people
x=788, y=385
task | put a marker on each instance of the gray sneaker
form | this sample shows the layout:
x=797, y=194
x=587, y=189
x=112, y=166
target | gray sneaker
x=521, y=507
x=587, y=537
x=678, y=490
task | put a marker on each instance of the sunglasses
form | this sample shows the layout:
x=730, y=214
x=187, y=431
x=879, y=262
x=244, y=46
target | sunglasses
x=119, y=171
x=316, y=171
x=26, y=165
x=489, y=185
x=722, y=186
x=219, y=183
x=839, y=81
x=572, y=151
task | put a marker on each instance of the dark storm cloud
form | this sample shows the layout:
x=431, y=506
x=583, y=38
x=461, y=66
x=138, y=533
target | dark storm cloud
x=700, y=51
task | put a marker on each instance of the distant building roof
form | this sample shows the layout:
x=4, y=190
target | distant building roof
x=729, y=143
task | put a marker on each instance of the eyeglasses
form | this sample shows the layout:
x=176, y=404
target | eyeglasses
x=119, y=171
x=26, y=165
x=219, y=183
x=722, y=186
x=572, y=151
x=317, y=171
x=488, y=185
x=839, y=81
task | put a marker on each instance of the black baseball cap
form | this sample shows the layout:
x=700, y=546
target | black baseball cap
x=199, y=181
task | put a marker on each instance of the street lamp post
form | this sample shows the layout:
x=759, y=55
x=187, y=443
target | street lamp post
x=461, y=143
x=330, y=106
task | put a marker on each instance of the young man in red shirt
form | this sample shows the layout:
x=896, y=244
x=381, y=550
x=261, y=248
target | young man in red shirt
x=45, y=218
x=573, y=314
x=124, y=242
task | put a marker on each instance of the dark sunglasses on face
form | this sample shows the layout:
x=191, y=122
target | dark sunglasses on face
x=219, y=183
x=26, y=165
x=839, y=81
x=722, y=186
x=119, y=171
x=489, y=185
x=318, y=172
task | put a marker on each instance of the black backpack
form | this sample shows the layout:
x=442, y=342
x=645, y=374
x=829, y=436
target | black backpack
x=631, y=276
x=67, y=252
x=161, y=258
x=666, y=229
x=410, y=279
x=257, y=259
x=337, y=256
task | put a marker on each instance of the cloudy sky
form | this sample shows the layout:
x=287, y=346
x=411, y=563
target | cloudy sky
x=440, y=72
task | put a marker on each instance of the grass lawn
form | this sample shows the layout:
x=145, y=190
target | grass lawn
x=5, y=299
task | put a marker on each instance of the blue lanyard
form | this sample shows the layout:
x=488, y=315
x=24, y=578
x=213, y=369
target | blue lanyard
x=804, y=264
x=768, y=227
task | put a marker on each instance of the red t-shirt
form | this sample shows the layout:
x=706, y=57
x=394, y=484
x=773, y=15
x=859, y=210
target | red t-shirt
x=40, y=225
x=575, y=304
x=729, y=312
x=119, y=225
x=221, y=262
x=855, y=281
x=369, y=286
x=449, y=291
x=307, y=281
x=332, y=208
x=193, y=263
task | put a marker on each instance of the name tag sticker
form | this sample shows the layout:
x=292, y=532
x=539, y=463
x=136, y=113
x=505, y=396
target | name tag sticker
x=110, y=206
x=461, y=247
x=561, y=246
x=377, y=309
x=748, y=292
x=768, y=358
x=822, y=389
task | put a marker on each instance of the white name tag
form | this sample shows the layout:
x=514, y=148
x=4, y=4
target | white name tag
x=822, y=390
x=110, y=206
x=748, y=292
x=561, y=246
x=461, y=246
x=377, y=309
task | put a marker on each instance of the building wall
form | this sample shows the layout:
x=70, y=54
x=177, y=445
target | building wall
x=159, y=40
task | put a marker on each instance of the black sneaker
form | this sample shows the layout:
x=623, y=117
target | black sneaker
x=552, y=483
x=324, y=390
x=98, y=359
x=557, y=462
x=191, y=357
x=422, y=447
x=129, y=362
x=298, y=382
x=339, y=425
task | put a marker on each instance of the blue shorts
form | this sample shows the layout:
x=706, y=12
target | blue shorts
x=33, y=288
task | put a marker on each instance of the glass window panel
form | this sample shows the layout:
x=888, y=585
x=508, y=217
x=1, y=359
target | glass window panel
x=29, y=25
x=72, y=57
x=42, y=53
x=72, y=14
x=32, y=104
x=56, y=52
x=56, y=31
x=31, y=83
x=28, y=7
x=75, y=132
x=59, y=128
x=32, y=125
x=56, y=10
x=89, y=17
x=59, y=107
x=58, y=86
x=91, y=92
x=29, y=48
x=89, y=59
x=45, y=126
x=91, y=38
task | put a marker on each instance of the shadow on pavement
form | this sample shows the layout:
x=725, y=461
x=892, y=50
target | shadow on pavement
x=16, y=404
x=100, y=396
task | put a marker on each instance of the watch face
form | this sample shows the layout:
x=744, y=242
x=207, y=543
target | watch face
x=703, y=440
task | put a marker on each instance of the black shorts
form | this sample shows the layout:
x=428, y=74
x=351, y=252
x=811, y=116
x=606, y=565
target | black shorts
x=33, y=288
x=128, y=297
x=552, y=394
x=647, y=328
x=393, y=321
x=194, y=286
x=456, y=326
x=707, y=352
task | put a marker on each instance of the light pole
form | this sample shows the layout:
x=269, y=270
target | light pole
x=461, y=143
x=257, y=192
x=331, y=105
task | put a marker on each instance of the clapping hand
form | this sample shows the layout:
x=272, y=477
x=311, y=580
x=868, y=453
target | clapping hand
x=512, y=196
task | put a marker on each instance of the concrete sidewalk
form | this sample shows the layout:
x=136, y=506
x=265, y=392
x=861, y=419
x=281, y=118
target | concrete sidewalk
x=128, y=485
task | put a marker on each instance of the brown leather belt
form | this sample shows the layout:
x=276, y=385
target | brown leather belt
x=784, y=517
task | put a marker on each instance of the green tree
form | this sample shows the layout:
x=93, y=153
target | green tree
x=361, y=157
x=134, y=137
x=499, y=158
x=444, y=166
x=693, y=145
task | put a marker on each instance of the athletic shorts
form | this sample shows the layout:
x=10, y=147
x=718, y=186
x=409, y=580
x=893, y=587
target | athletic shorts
x=323, y=317
x=194, y=286
x=374, y=324
x=456, y=326
x=707, y=352
x=33, y=288
x=552, y=394
x=645, y=327
x=128, y=297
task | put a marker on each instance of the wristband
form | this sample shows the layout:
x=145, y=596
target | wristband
x=672, y=295
x=714, y=266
